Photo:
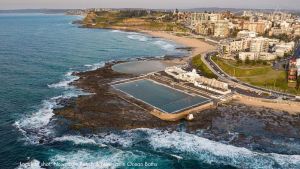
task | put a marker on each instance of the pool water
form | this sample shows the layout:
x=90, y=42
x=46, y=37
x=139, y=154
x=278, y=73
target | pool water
x=162, y=97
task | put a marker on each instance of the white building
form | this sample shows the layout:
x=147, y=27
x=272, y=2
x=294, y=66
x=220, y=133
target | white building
x=282, y=48
x=230, y=46
x=198, y=81
x=256, y=56
x=246, y=34
x=259, y=44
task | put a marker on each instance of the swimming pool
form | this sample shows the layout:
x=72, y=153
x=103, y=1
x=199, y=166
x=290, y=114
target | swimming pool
x=162, y=97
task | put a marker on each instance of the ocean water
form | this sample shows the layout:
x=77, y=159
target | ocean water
x=38, y=54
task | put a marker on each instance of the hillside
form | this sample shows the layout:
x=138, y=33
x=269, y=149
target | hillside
x=134, y=20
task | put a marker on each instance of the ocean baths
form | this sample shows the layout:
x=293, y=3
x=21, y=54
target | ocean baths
x=167, y=103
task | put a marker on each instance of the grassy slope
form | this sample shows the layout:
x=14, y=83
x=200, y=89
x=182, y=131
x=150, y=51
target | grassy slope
x=198, y=64
x=113, y=19
x=259, y=75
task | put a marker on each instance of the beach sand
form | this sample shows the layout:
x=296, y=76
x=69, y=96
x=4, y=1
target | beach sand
x=199, y=46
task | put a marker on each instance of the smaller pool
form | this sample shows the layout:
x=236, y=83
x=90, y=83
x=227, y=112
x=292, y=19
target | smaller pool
x=162, y=97
x=140, y=67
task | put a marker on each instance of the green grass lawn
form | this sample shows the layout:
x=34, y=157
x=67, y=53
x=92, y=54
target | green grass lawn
x=198, y=64
x=258, y=75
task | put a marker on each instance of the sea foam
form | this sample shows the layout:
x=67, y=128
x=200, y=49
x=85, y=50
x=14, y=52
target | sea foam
x=138, y=37
x=203, y=149
x=182, y=145
x=37, y=125
x=95, y=66
x=165, y=45
x=78, y=140
x=65, y=83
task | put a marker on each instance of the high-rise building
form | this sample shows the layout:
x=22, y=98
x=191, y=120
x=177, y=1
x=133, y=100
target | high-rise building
x=259, y=45
x=259, y=27
x=221, y=29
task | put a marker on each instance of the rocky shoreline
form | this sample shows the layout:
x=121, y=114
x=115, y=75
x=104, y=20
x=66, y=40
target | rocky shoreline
x=105, y=109
x=233, y=123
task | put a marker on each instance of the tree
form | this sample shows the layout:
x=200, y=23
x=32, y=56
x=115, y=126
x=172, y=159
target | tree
x=259, y=61
x=247, y=61
x=265, y=62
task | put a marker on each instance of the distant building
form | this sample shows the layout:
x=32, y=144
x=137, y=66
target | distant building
x=259, y=45
x=259, y=27
x=200, y=18
x=279, y=31
x=231, y=46
x=221, y=29
x=210, y=24
x=283, y=48
x=297, y=31
x=204, y=29
x=256, y=56
x=246, y=34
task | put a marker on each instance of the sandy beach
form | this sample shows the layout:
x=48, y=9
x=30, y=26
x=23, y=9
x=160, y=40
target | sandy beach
x=198, y=46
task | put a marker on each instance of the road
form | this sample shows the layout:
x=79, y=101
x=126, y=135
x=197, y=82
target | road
x=235, y=83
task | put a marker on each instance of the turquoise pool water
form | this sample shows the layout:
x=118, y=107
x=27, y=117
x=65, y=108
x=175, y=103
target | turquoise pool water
x=160, y=96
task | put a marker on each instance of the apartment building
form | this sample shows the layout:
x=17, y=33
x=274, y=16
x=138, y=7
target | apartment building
x=231, y=46
x=256, y=56
x=222, y=29
x=246, y=34
x=259, y=27
x=259, y=45
x=197, y=18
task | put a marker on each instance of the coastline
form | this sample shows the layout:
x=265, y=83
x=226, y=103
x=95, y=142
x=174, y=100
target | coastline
x=198, y=46
x=115, y=104
x=80, y=119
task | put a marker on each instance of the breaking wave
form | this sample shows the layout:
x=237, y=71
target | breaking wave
x=38, y=124
x=95, y=66
x=187, y=146
x=78, y=140
x=65, y=83
x=69, y=77
x=117, y=31
x=138, y=37
x=35, y=126
x=202, y=149
x=165, y=45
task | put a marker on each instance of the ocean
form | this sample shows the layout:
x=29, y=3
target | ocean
x=38, y=54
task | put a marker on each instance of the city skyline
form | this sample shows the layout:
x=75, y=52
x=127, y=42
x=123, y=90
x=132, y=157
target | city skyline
x=167, y=4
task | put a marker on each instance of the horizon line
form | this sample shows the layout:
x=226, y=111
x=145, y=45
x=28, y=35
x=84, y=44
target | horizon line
x=146, y=8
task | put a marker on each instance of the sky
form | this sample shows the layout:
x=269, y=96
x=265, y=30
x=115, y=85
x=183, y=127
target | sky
x=170, y=4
